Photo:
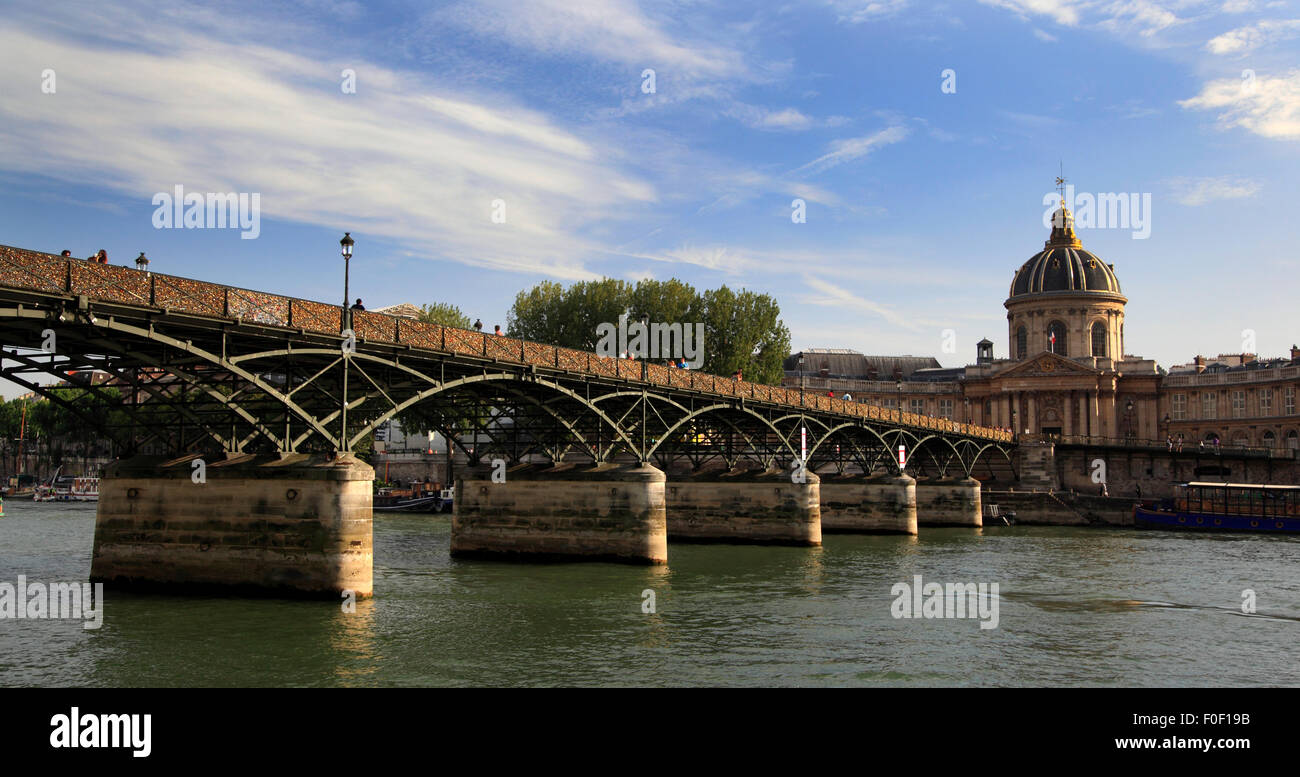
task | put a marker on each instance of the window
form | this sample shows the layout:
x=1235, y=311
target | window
x=918, y=406
x=1099, y=339
x=1209, y=404
x=1292, y=441
x=1056, y=338
x=891, y=402
x=1179, y=405
x=1270, y=439
x=945, y=408
x=1022, y=343
x=1266, y=402
x=1288, y=400
x=1238, y=404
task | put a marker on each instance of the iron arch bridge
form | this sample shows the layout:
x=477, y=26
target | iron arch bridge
x=169, y=364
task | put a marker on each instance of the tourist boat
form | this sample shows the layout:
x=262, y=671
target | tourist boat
x=67, y=488
x=1209, y=506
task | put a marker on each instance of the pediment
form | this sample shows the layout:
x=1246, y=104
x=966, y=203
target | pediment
x=1047, y=363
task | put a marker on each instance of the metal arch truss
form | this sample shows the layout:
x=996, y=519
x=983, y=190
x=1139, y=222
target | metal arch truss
x=188, y=383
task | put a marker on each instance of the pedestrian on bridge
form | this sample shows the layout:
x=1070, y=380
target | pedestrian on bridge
x=498, y=332
x=358, y=306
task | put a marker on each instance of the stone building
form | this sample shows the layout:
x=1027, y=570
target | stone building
x=1068, y=376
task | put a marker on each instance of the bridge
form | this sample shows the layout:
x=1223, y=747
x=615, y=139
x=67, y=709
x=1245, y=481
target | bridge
x=249, y=387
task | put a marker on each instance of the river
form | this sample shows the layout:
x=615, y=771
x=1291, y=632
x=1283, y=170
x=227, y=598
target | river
x=1075, y=606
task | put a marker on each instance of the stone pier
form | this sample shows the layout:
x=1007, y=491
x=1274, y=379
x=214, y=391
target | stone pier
x=880, y=504
x=610, y=512
x=744, y=506
x=949, y=502
x=297, y=525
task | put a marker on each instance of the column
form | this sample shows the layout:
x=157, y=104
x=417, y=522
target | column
x=609, y=512
x=1068, y=404
x=948, y=502
x=745, y=507
x=296, y=525
x=881, y=504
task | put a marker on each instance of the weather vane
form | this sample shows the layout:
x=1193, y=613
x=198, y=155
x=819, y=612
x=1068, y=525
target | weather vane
x=1060, y=183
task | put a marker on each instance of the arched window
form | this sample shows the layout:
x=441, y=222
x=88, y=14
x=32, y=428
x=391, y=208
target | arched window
x=1269, y=439
x=1022, y=343
x=1292, y=441
x=1099, y=340
x=1056, y=344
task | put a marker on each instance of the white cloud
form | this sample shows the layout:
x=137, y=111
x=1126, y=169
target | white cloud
x=1064, y=12
x=1199, y=191
x=1267, y=106
x=415, y=163
x=608, y=30
x=1046, y=37
x=848, y=149
x=835, y=295
x=860, y=11
x=1244, y=40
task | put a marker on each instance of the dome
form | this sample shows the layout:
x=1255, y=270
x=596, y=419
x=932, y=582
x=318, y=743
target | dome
x=1063, y=266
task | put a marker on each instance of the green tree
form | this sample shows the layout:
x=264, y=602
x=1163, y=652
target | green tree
x=445, y=314
x=743, y=331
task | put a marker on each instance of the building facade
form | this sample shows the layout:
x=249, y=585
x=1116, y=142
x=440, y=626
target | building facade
x=1067, y=375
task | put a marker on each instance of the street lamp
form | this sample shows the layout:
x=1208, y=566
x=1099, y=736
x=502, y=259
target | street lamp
x=1128, y=420
x=347, y=242
x=898, y=385
x=801, y=383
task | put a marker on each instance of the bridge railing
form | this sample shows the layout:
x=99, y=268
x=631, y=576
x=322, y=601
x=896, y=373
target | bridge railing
x=20, y=268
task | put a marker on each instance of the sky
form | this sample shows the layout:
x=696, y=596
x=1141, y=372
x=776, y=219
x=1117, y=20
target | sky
x=476, y=148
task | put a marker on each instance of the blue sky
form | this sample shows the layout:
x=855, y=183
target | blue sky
x=920, y=204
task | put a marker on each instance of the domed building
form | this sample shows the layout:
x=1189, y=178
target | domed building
x=1067, y=378
x=1068, y=375
x=1065, y=300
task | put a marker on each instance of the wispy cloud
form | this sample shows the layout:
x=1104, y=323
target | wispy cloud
x=1199, y=191
x=1244, y=40
x=607, y=30
x=835, y=295
x=849, y=149
x=418, y=164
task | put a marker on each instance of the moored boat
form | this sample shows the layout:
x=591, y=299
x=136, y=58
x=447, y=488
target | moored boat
x=1205, y=506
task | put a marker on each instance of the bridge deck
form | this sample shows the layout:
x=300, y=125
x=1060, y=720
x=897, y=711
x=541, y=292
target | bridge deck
x=47, y=274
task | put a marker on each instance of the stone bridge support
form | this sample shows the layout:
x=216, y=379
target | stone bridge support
x=879, y=504
x=610, y=512
x=296, y=526
x=744, y=506
x=949, y=502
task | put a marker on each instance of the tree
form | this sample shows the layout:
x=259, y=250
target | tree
x=445, y=314
x=743, y=331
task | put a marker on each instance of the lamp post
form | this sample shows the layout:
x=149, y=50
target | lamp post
x=1128, y=422
x=801, y=383
x=346, y=243
x=898, y=385
x=1169, y=434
